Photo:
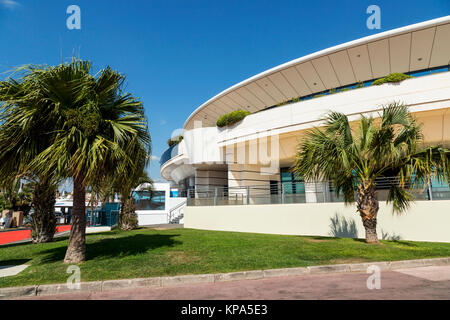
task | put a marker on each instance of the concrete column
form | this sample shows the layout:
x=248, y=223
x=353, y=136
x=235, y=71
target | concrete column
x=317, y=191
x=208, y=180
x=256, y=177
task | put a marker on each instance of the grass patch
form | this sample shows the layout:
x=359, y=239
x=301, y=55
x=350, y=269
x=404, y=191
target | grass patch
x=150, y=253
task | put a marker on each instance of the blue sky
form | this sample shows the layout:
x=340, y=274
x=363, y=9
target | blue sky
x=178, y=54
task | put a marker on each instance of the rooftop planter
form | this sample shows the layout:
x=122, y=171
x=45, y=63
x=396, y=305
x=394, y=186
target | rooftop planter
x=232, y=118
x=392, y=78
x=175, y=140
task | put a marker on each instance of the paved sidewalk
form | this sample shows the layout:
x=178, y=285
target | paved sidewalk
x=431, y=282
x=165, y=226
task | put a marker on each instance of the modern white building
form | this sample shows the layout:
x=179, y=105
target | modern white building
x=248, y=163
x=159, y=206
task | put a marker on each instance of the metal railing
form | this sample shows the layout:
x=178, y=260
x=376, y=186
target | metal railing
x=299, y=192
x=168, y=154
x=107, y=216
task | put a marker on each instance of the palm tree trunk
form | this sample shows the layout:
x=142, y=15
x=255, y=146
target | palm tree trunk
x=368, y=210
x=128, y=216
x=76, y=250
x=43, y=224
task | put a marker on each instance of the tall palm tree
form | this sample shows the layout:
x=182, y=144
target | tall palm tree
x=96, y=131
x=379, y=148
x=23, y=135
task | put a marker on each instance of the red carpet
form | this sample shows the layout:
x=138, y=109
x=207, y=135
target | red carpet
x=16, y=235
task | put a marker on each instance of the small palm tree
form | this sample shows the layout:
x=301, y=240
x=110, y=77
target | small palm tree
x=128, y=218
x=124, y=185
x=15, y=194
x=381, y=148
x=37, y=193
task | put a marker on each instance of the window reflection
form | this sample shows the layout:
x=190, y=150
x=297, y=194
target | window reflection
x=150, y=200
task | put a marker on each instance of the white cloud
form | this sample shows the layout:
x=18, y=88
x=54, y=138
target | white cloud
x=156, y=158
x=162, y=122
x=10, y=4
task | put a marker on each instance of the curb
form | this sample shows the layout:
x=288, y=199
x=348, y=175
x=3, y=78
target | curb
x=164, y=282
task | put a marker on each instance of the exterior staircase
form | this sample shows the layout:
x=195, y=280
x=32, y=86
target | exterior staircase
x=176, y=214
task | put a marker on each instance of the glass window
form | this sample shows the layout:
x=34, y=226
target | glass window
x=273, y=187
x=146, y=200
x=292, y=185
x=440, y=189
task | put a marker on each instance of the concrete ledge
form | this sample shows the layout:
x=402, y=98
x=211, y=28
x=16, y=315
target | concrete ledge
x=362, y=267
x=244, y=275
x=131, y=283
x=408, y=264
x=14, y=292
x=337, y=268
x=52, y=289
x=436, y=262
x=96, y=286
x=97, y=229
x=273, y=273
x=187, y=279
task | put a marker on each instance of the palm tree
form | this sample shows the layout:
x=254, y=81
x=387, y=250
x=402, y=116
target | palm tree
x=37, y=193
x=124, y=185
x=22, y=137
x=96, y=131
x=15, y=194
x=43, y=219
x=128, y=217
x=380, y=148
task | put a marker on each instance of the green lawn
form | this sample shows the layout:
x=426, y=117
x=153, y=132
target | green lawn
x=149, y=252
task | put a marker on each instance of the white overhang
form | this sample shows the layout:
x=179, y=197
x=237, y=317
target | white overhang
x=415, y=47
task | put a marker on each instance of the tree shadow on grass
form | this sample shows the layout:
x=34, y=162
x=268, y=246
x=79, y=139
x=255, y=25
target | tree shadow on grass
x=404, y=243
x=322, y=238
x=117, y=247
x=13, y=262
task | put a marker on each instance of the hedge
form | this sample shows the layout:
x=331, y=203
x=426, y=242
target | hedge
x=175, y=140
x=232, y=118
x=393, y=77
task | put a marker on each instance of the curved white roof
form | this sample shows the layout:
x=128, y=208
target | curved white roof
x=415, y=47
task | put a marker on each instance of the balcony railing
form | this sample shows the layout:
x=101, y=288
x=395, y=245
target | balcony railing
x=294, y=192
x=169, y=154
x=107, y=216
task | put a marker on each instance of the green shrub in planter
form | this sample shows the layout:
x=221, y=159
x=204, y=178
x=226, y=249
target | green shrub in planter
x=175, y=140
x=232, y=118
x=360, y=84
x=393, y=77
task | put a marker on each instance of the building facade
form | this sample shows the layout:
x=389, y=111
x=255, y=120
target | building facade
x=249, y=162
x=158, y=204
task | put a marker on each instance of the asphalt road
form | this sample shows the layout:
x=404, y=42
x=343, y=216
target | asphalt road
x=415, y=283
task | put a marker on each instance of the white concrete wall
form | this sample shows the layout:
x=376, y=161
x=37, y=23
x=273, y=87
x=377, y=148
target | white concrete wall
x=209, y=179
x=201, y=145
x=425, y=221
x=173, y=202
x=148, y=217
